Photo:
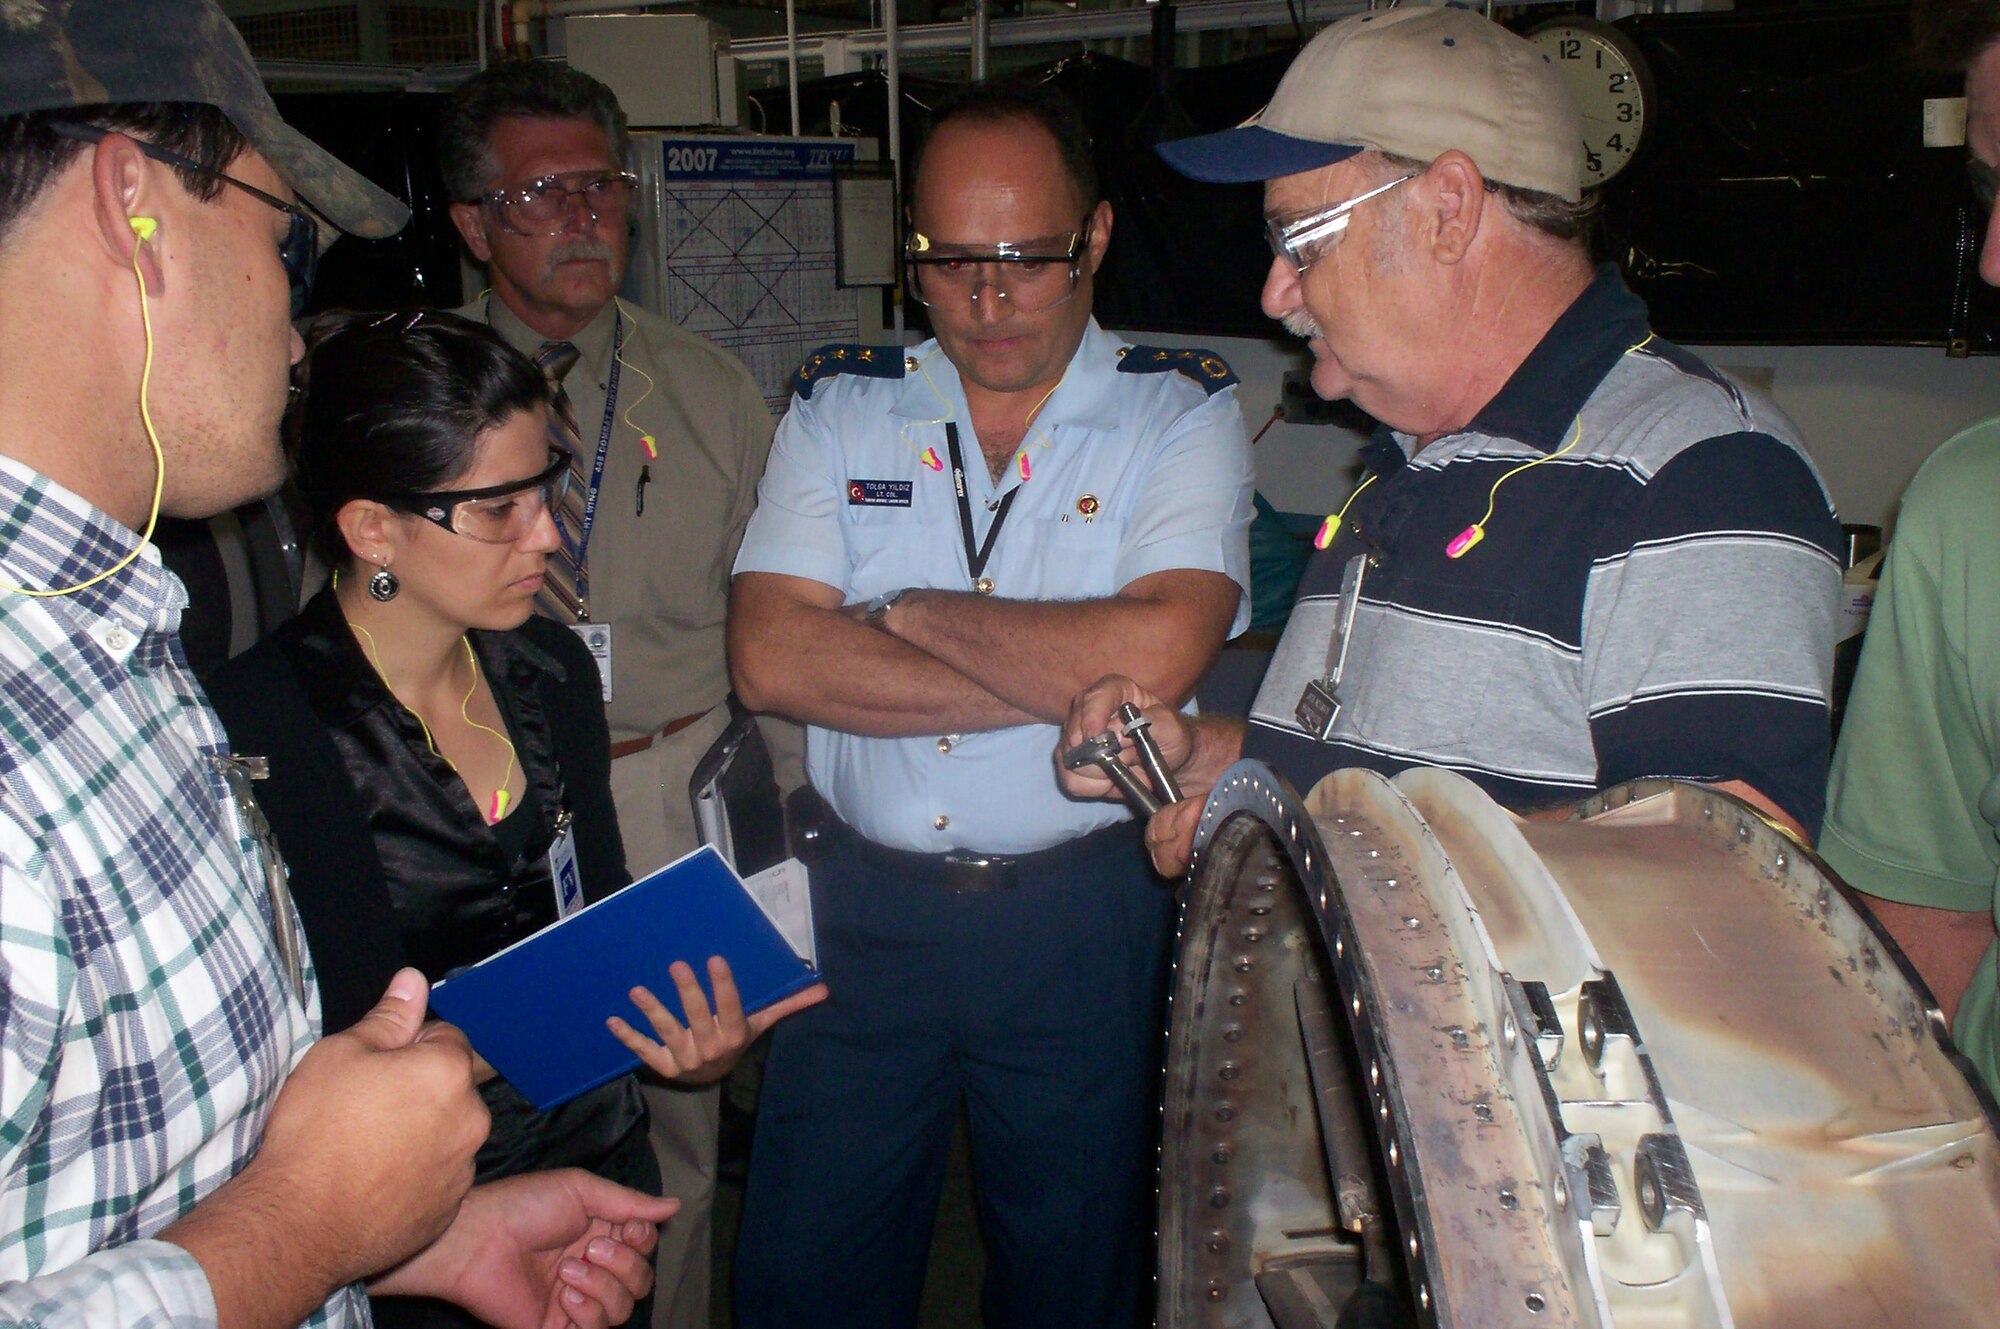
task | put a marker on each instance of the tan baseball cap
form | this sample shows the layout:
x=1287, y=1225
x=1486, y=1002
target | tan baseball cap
x=1416, y=82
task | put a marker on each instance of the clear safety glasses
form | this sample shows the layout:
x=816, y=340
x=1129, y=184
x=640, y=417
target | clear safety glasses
x=1299, y=241
x=545, y=206
x=1031, y=275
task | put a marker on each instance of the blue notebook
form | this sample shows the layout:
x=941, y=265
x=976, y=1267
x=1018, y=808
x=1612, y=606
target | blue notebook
x=536, y=1010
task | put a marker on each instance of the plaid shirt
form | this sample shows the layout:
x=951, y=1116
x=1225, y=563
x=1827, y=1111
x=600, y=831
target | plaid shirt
x=146, y=1023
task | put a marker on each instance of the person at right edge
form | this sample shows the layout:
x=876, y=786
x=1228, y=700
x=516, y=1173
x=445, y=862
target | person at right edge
x=1579, y=555
x=1913, y=807
x=950, y=540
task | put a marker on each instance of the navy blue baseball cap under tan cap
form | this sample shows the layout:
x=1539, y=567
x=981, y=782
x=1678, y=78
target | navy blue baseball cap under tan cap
x=56, y=54
x=1415, y=82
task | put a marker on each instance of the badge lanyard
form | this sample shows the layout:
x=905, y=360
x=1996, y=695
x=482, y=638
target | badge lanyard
x=597, y=466
x=975, y=554
x=1319, y=703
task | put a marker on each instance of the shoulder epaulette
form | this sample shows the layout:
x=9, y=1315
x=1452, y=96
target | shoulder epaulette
x=869, y=361
x=1204, y=367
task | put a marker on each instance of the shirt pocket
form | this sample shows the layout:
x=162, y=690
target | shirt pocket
x=671, y=560
x=1057, y=559
x=889, y=548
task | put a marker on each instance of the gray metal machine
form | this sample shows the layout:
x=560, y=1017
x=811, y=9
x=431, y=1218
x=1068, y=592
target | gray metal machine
x=1647, y=1066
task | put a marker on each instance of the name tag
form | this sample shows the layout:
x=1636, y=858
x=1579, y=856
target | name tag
x=597, y=638
x=1317, y=710
x=880, y=493
x=563, y=871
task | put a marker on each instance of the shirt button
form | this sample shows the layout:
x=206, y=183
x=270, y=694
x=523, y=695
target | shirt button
x=940, y=821
x=944, y=744
x=117, y=638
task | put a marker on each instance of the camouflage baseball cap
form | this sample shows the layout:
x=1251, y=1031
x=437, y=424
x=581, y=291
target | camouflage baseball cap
x=58, y=53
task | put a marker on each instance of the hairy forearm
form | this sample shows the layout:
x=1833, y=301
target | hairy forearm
x=819, y=666
x=1037, y=655
x=266, y=1265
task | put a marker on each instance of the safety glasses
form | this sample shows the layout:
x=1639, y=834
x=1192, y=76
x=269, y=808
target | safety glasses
x=545, y=205
x=1030, y=275
x=497, y=514
x=1295, y=241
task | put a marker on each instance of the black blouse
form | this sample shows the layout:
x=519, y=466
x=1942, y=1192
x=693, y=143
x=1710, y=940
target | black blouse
x=392, y=864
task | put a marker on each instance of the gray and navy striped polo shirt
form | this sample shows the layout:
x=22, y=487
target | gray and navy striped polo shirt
x=1658, y=600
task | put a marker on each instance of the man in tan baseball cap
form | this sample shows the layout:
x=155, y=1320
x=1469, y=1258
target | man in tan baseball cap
x=1578, y=555
x=1367, y=106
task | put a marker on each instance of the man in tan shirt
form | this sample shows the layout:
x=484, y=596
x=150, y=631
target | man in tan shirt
x=683, y=433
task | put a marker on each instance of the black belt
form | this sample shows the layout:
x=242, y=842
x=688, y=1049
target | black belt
x=965, y=871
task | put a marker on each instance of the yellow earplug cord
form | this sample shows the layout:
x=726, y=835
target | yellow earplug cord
x=143, y=228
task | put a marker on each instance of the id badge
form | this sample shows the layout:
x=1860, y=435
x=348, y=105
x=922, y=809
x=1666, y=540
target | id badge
x=1317, y=710
x=1319, y=703
x=562, y=869
x=597, y=638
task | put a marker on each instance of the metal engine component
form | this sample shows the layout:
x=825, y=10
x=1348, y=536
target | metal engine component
x=1140, y=730
x=1102, y=752
x=1651, y=1066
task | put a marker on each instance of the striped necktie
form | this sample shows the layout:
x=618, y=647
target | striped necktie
x=560, y=597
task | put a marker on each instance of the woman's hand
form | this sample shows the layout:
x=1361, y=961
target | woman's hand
x=702, y=1050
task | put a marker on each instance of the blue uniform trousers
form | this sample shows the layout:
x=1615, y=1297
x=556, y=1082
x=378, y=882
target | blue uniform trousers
x=1043, y=1005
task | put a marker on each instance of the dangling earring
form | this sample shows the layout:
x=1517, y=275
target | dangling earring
x=383, y=585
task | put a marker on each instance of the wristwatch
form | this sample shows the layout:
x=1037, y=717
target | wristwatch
x=878, y=608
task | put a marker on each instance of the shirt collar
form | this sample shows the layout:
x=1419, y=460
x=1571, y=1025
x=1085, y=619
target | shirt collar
x=1542, y=398
x=1086, y=397
x=51, y=538
x=592, y=342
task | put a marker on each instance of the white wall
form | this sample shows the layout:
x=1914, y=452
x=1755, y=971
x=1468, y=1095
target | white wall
x=1870, y=414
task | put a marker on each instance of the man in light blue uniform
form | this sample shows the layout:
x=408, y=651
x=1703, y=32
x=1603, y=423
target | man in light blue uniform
x=950, y=542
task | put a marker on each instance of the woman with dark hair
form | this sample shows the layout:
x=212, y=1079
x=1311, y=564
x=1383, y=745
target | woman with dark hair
x=435, y=748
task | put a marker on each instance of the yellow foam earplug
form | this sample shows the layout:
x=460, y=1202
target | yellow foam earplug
x=143, y=227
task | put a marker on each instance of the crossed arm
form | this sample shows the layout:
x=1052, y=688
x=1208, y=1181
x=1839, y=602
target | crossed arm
x=958, y=662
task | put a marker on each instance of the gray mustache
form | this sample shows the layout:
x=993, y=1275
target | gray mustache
x=582, y=247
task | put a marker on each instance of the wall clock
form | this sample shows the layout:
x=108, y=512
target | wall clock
x=1612, y=85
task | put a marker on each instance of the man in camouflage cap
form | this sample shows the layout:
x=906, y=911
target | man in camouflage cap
x=177, y=1146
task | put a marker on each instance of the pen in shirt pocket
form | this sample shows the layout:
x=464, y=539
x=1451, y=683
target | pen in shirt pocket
x=639, y=494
